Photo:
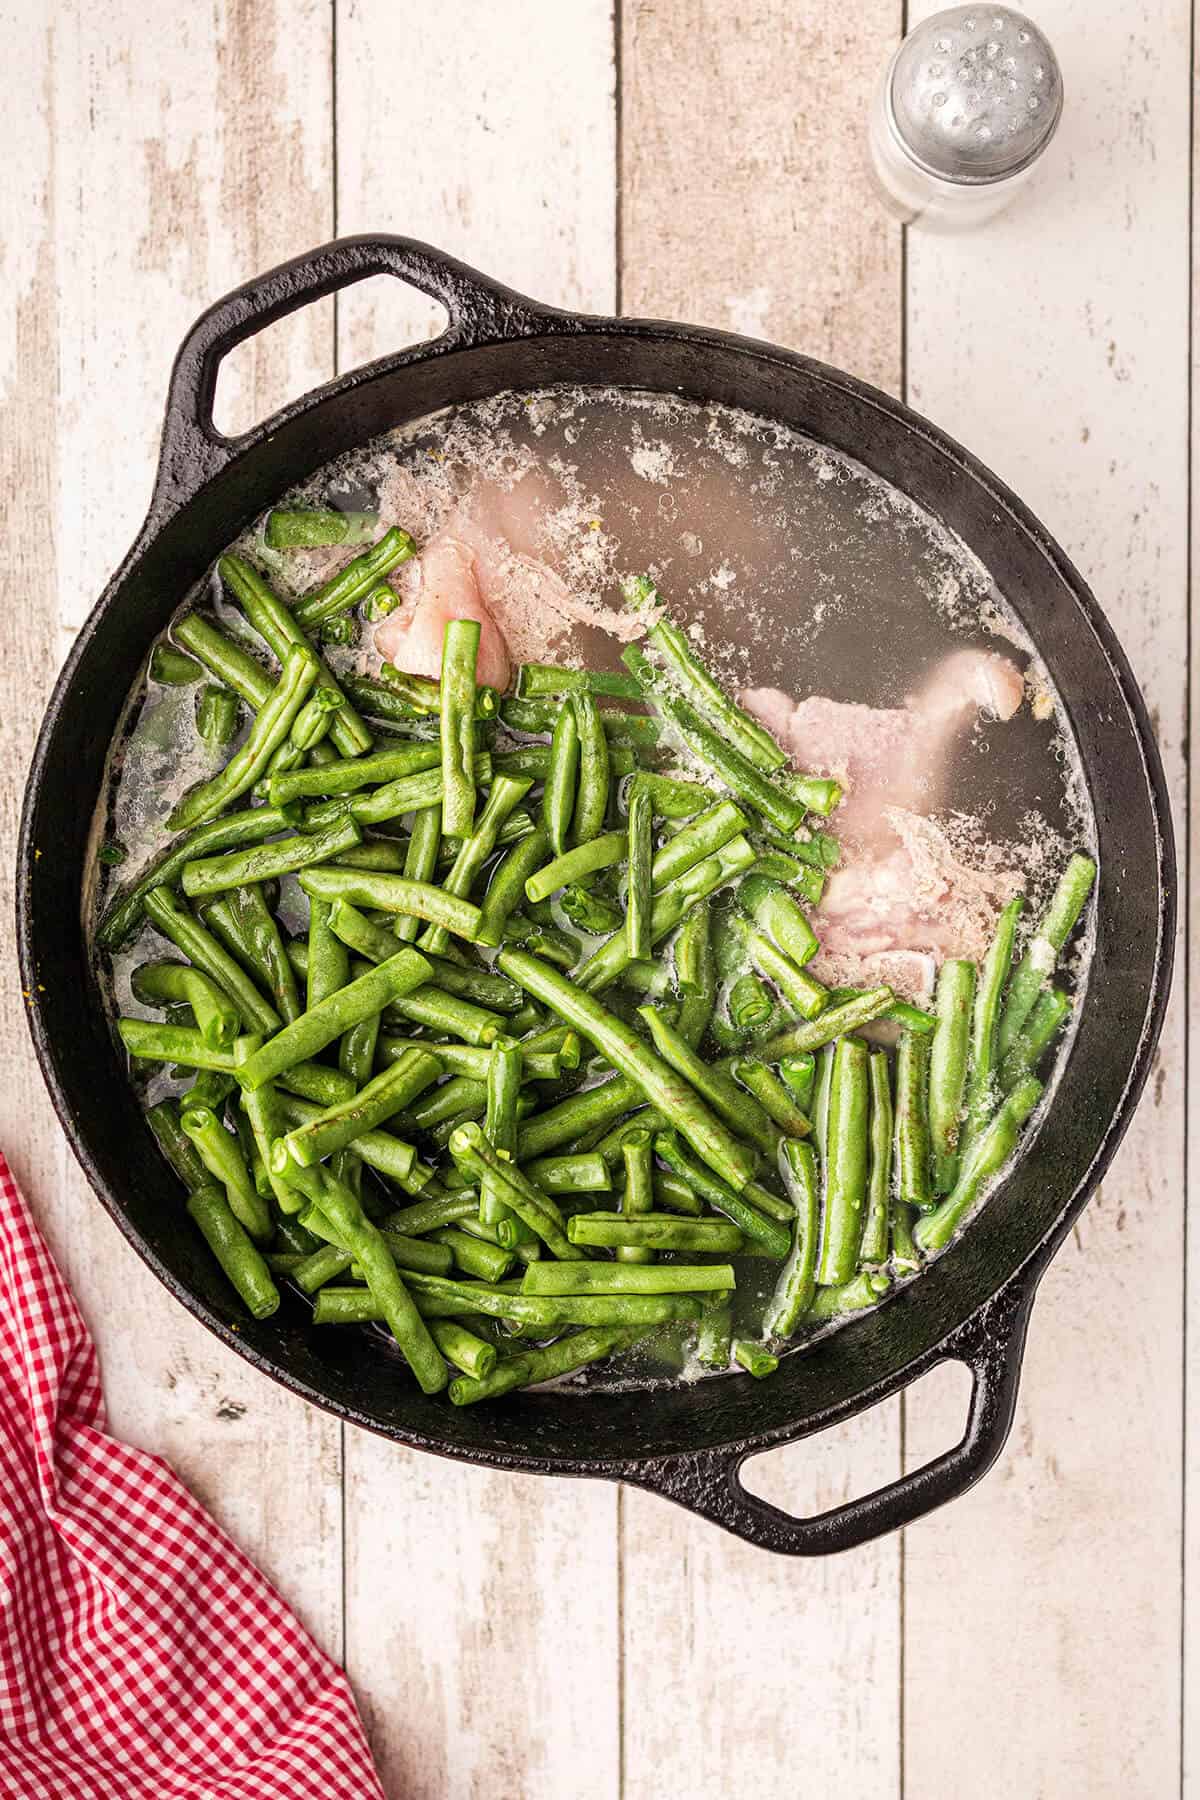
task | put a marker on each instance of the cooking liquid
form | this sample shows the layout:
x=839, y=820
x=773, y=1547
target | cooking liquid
x=791, y=566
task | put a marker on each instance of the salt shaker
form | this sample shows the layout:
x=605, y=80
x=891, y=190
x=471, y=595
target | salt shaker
x=965, y=108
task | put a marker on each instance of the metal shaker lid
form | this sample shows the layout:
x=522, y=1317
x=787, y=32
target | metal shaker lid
x=975, y=93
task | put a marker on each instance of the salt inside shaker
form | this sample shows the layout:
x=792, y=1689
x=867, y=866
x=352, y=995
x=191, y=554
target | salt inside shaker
x=966, y=106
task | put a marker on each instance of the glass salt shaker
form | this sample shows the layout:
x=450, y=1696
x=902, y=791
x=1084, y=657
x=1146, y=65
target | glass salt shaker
x=966, y=106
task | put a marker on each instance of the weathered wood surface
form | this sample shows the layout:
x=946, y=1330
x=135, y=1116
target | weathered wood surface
x=531, y=1640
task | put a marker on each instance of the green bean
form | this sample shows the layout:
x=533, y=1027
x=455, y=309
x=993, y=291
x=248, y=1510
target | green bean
x=832, y=1023
x=695, y=971
x=408, y=793
x=816, y=793
x=750, y=1003
x=316, y=1082
x=610, y=961
x=394, y=894
x=475, y=850
x=475, y=1256
x=211, y=1088
x=639, y=853
x=256, y=929
x=595, y=1108
x=1042, y=1025
x=752, y=1357
x=235, y=667
x=1042, y=951
x=561, y=781
x=656, y=1079
x=473, y=1060
x=445, y=1013
x=575, y=865
x=266, y=862
x=217, y=1019
x=753, y=1224
x=328, y=965
x=798, y=1074
x=218, y=1150
x=507, y=886
x=556, y=1278
x=610, y=1146
x=985, y=1158
x=672, y=1192
x=242, y=1264
x=981, y=1094
x=536, y=679
x=948, y=1067
x=174, y=921
x=476, y=1156
x=874, y=1245
x=262, y=1113
x=175, y=1144
x=800, y=989
x=474, y=1356
x=672, y=798
x=503, y=1086
x=350, y=775
x=771, y=1095
x=776, y=913
x=862, y=1290
x=820, y=1108
x=707, y=833
x=714, y=1340
x=739, y=774
x=385, y=855
x=420, y=862
x=711, y=700
x=355, y=581
x=551, y=1312
x=171, y=668
x=220, y=834
x=339, y=1126
x=279, y=631
x=216, y=716
x=295, y=1238
x=797, y=1282
x=268, y=731
x=591, y=797
x=739, y=1110
x=636, y=1200
x=425, y=695
x=914, y=1150
x=306, y=1036
x=580, y=1173
x=290, y=528
x=845, y=1187
x=460, y=649
x=652, y=1231
x=427, y=1215
x=546, y=1364
x=341, y=1208
x=900, y=1012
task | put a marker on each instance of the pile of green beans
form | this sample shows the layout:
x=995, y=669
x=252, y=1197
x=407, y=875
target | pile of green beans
x=443, y=1107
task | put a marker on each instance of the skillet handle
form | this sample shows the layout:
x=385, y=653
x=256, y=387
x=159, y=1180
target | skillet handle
x=709, y=1482
x=193, y=450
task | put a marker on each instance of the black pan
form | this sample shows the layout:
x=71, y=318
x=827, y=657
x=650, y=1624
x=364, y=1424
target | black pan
x=973, y=1305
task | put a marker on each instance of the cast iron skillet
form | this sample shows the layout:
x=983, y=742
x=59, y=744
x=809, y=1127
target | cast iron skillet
x=686, y=1443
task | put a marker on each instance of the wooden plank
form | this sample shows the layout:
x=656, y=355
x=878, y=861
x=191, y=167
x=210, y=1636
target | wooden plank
x=1054, y=343
x=204, y=137
x=486, y=1603
x=744, y=204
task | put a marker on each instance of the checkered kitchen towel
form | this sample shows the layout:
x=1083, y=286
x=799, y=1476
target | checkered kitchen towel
x=142, y=1656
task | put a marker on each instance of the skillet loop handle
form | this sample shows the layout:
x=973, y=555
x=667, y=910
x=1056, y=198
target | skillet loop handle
x=709, y=1482
x=479, y=311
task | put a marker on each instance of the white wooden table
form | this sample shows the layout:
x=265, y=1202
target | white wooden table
x=533, y=1640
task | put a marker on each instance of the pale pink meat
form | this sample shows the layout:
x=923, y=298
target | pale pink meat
x=446, y=581
x=901, y=900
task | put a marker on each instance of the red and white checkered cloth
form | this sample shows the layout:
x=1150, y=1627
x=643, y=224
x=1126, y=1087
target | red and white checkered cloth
x=142, y=1656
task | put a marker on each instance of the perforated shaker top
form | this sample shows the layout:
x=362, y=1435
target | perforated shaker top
x=976, y=93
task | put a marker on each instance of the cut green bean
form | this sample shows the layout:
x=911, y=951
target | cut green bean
x=877, y=1225
x=460, y=648
x=562, y=779
x=797, y=1282
x=308, y=1035
x=241, y=1262
x=233, y=665
x=394, y=894
x=546, y=1364
x=255, y=928
x=862, y=1290
x=640, y=857
x=603, y=852
x=711, y=700
x=832, y=1023
x=1040, y=1028
x=381, y=1098
x=776, y=913
x=169, y=916
x=800, y=989
x=985, y=1158
x=536, y=680
x=216, y=716
x=507, y=793
x=750, y=1003
x=1042, y=952
x=771, y=1094
x=349, y=775
x=750, y=1222
x=470, y=1354
x=356, y=580
x=798, y=1074
x=557, y=1278
x=670, y=908
x=504, y=1078
x=846, y=1160
x=737, y=1108
x=914, y=1149
x=591, y=795
x=219, y=1151
x=652, y=1231
x=217, y=1018
x=583, y=1172
x=292, y=528
x=268, y=731
x=474, y=1154
x=175, y=1144
x=948, y=1067
x=637, y=1199
x=590, y=912
x=266, y=862
x=981, y=1096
